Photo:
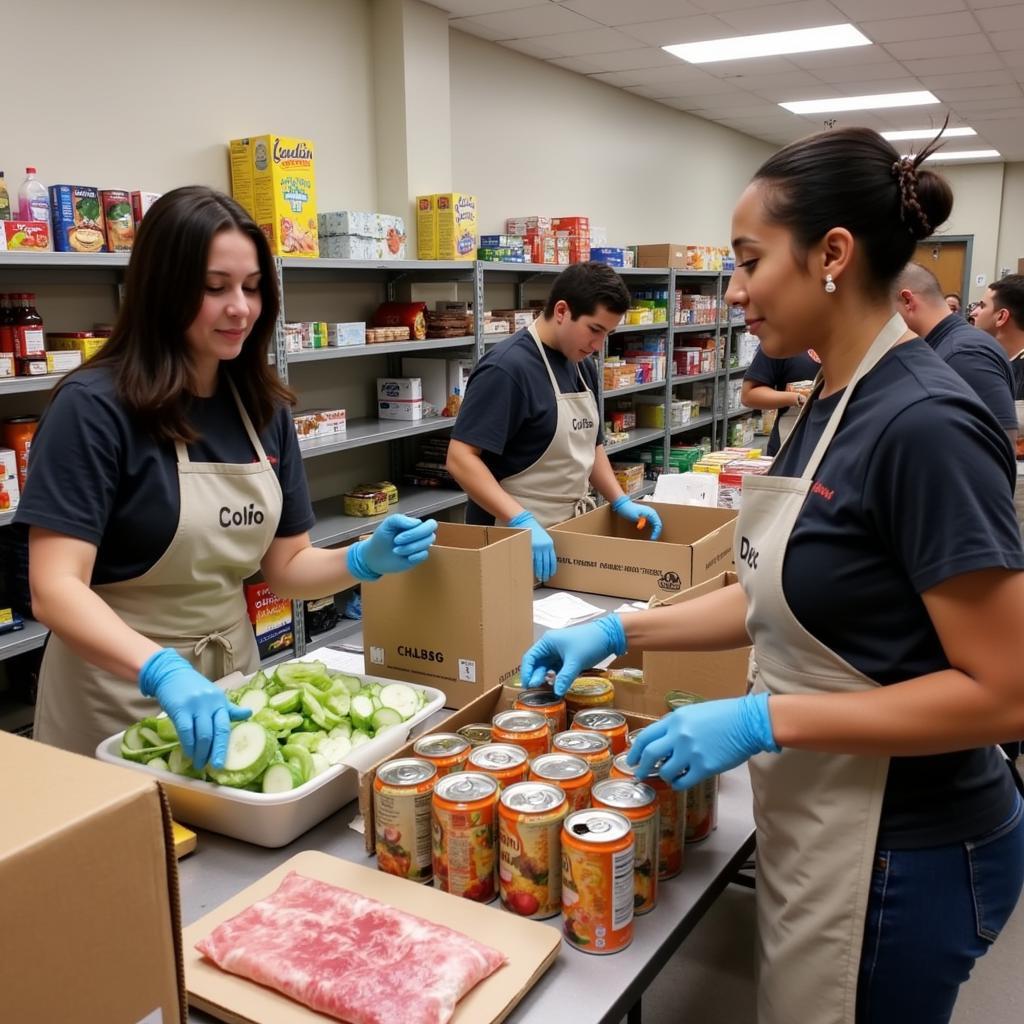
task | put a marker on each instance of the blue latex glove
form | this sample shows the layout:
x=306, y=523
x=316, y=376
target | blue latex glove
x=544, y=563
x=704, y=739
x=569, y=651
x=200, y=711
x=399, y=543
x=633, y=510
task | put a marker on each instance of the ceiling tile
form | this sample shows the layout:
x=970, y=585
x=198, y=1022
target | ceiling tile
x=633, y=58
x=588, y=65
x=953, y=65
x=600, y=40
x=982, y=92
x=469, y=8
x=736, y=102
x=972, y=78
x=853, y=57
x=954, y=46
x=679, y=30
x=998, y=19
x=873, y=86
x=896, y=30
x=862, y=10
x=719, y=6
x=615, y=12
x=978, y=5
x=679, y=74
x=859, y=72
x=1009, y=40
x=783, y=17
x=468, y=26
x=713, y=113
x=541, y=20
x=535, y=47
x=752, y=66
x=789, y=80
x=987, y=108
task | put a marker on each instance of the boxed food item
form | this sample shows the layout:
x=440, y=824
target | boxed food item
x=335, y=223
x=358, y=247
x=386, y=335
x=9, y=474
x=404, y=389
x=30, y=235
x=461, y=620
x=599, y=553
x=501, y=241
x=96, y=844
x=6, y=364
x=522, y=225
x=117, y=217
x=344, y=335
x=319, y=423
x=411, y=315
x=365, y=500
x=62, y=362
x=446, y=226
x=271, y=618
x=630, y=475
x=77, y=219
x=443, y=380
x=142, y=201
x=274, y=178
x=610, y=255
x=399, y=409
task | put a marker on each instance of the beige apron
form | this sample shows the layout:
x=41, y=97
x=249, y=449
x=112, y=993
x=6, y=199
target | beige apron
x=817, y=815
x=191, y=599
x=554, y=488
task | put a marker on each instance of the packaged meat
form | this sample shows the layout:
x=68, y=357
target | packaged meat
x=350, y=956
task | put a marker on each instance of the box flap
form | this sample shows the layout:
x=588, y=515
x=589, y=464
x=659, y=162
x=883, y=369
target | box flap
x=530, y=946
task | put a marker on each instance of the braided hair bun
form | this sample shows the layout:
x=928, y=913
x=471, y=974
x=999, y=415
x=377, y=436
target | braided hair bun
x=925, y=197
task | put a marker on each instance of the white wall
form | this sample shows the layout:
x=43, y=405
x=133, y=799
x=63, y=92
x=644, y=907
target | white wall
x=533, y=138
x=166, y=86
x=1011, y=220
x=977, y=191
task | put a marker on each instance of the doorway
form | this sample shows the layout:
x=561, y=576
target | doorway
x=949, y=259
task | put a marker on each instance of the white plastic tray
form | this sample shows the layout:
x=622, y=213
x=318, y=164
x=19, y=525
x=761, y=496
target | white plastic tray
x=275, y=819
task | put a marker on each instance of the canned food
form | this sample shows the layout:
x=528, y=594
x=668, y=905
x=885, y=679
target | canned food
x=17, y=434
x=530, y=817
x=589, y=692
x=591, y=746
x=597, y=881
x=567, y=771
x=671, y=817
x=464, y=822
x=402, y=792
x=528, y=729
x=702, y=809
x=605, y=722
x=478, y=733
x=631, y=737
x=680, y=698
x=504, y=762
x=546, y=703
x=446, y=751
x=639, y=803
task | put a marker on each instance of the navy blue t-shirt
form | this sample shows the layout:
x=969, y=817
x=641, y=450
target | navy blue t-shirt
x=916, y=487
x=94, y=475
x=509, y=409
x=777, y=373
x=1017, y=366
x=981, y=361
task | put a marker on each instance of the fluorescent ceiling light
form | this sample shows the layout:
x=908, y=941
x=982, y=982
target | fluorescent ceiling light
x=803, y=40
x=885, y=99
x=964, y=154
x=928, y=133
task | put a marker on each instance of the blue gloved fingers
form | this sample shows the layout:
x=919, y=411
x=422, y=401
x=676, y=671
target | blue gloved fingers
x=571, y=668
x=396, y=523
x=203, y=723
x=654, y=521
x=648, y=735
x=533, y=668
x=545, y=564
x=422, y=532
x=221, y=735
x=678, y=763
x=237, y=714
x=182, y=719
x=653, y=752
x=417, y=557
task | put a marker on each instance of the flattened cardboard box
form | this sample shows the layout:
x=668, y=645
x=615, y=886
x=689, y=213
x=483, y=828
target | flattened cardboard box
x=531, y=946
x=712, y=674
x=602, y=553
x=460, y=621
x=90, y=906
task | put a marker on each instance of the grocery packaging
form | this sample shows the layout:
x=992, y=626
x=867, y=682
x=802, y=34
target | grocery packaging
x=5, y=199
x=317, y=423
x=77, y=219
x=613, y=257
x=141, y=202
x=62, y=362
x=273, y=178
x=365, y=501
x=348, y=234
x=33, y=201
x=271, y=618
x=31, y=235
x=400, y=398
x=412, y=315
x=86, y=342
x=9, y=475
x=344, y=335
x=409, y=409
x=116, y=205
x=446, y=226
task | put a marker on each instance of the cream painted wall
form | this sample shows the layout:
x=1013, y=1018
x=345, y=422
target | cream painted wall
x=532, y=138
x=1011, y=220
x=156, y=109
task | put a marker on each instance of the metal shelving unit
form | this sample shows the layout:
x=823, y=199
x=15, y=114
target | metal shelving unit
x=363, y=432
x=21, y=641
x=389, y=348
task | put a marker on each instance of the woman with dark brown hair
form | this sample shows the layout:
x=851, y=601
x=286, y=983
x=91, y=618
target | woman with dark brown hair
x=163, y=474
x=880, y=584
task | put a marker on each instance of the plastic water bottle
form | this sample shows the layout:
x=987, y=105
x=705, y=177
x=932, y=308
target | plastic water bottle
x=33, y=201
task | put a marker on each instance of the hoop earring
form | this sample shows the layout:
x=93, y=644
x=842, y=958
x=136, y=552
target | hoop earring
x=830, y=285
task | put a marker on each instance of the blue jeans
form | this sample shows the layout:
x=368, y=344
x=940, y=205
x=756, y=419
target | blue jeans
x=931, y=914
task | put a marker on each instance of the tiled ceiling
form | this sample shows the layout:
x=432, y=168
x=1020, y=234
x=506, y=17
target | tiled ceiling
x=969, y=53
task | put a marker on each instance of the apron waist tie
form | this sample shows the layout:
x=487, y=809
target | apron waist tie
x=585, y=504
x=223, y=642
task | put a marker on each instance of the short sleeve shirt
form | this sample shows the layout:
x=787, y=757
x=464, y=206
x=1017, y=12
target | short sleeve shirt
x=777, y=373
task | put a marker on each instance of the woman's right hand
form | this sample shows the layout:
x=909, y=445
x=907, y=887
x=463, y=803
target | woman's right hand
x=200, y=711
x=567, y=652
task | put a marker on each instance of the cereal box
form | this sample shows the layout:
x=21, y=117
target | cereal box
x=271, y=618
x=117, y=215
x=273, y=178
x=141, y=202
x=446, y=226
x=77, y=219
x=33, y=235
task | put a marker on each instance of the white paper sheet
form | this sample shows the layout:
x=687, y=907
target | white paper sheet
x=560, y=610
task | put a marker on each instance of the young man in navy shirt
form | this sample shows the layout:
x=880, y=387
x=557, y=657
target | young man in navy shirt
x=764, y=387
x=1000, y=312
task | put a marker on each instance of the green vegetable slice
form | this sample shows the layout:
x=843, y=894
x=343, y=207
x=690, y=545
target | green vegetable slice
x=401, y=698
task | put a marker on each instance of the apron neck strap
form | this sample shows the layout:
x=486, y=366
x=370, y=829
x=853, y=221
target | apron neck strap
x=547, y=365
x=181, y=449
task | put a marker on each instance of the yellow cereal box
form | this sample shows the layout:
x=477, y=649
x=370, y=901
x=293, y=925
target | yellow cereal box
x=273, y=178
x=446, y=226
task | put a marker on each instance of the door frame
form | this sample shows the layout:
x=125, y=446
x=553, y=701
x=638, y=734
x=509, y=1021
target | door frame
x=965, y=284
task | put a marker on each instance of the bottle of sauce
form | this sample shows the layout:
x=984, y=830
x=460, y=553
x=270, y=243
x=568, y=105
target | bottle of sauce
x=5, y=199
x=6, y=325
x=29, y=340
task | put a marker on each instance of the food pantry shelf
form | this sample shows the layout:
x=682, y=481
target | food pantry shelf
x=376, y=266
x=6, y=518
x=21, y=640
x=332, y=527
x=693, y=378
x=20, y=385
x=51, y=260
x=637, y=328
x=385, y=348
x=697, y=328
x=639, y=436
x=364, y=432
x=739, y=369
x=700, y=421
x=632, y=388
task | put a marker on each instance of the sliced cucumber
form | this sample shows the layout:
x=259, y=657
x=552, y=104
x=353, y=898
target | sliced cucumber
x=151, y=736
x=335, y=750
x=310, y=740
x=146, y=754
x=351, y=683
x=254, y=700
x=301, y=757
x=258, y=681
x=158, y=762
x=132, y=739
x=250, y=749
x=178, y=763
x=320, y=764
x=401, y=698
x=165, y=730
x=280, y=778
x=361, y=711
x=344, y=729
x=286, y=701
x=384, y=718
x=359, y=737
x=295, y=673
x=339, y=703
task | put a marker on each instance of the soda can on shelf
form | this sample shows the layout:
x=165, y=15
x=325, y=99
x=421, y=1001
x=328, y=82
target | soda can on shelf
x=530, y=817
x=464, y=823
x=402, y=792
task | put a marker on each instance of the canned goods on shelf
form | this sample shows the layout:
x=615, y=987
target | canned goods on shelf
x=447, y=751
x=464, y=821
x=606, y=722
x=505, y=762
x=594, y=748
x=402, y=793
x=567, y=771
x=528, y=729
x=530, y=817
x=639, y=803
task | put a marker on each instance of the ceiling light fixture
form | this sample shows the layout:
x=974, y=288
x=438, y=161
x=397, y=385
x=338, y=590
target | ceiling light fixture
x=803, y=40
x=928, y=133
x=878, y=102
x=964, y=154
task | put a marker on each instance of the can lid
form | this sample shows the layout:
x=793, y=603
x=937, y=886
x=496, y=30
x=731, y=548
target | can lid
x=465, y=787
x=406, y=771
x=440, y=744
x=519, y=721
x=498, y=755
x=579, y=741
x=476, y=731
x=596, y=825
x=559, y=766
x=589, y=686
x=532, y=797
x=623, y=793
x=599, y=719
x=540, y=698
x=680, y=698
x=622, y=765
x=631, y=736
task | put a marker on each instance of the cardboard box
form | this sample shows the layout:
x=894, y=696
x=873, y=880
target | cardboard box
x=399, y=389
x=443, y=380
x=141, y=202
x=600, y=553
x=77, y=217
x=60, y=361
x=460, y=621
x=401, y=409
x=446, y=226
x=6, y=364
x=668, y=254
x=91, y=910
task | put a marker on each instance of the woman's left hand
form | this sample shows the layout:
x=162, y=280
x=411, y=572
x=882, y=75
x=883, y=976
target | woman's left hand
x=399, y=543
x=633, y=511
x=699, y=740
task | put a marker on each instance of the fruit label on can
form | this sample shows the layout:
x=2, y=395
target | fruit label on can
x=402, y=828
x=530, y=867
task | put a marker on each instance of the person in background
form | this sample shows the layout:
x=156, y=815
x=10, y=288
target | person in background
x=953, y=302
x=164, y=473
x=881, y=583
x=527, y=443
x=970, y=351
x=764, y=387
x=1000, y=312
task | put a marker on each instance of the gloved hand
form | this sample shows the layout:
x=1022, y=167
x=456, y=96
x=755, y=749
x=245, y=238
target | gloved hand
x=200, y=711
x=544, y=563
x=633, y=511
x=568, y=651
x=399, y=543
x=700, y=740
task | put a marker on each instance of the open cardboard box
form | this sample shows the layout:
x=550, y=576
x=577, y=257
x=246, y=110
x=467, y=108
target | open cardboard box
x=602, y=553
x=91, y=912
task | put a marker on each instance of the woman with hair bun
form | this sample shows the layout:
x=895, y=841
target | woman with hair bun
x=881, y=587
